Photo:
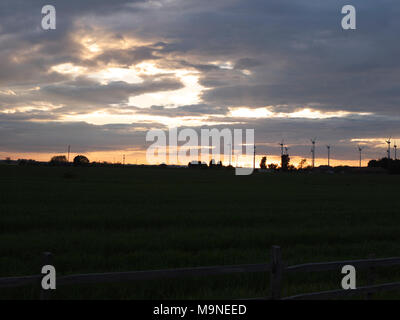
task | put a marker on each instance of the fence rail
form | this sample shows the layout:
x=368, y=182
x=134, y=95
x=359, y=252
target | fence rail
x=160, y=274
x=276, y=268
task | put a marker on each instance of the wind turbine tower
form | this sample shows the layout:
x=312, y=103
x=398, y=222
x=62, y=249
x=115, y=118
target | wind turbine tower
x=69, y=151
x=395, y=151
x=313, y=151
x=329, y=154
x=360, y=151
x=388, y=150
x=254, y=158
x=287, y=151
x=230, y=153
x=282, y=144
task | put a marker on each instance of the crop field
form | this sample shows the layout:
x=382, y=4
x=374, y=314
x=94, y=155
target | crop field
x=124, y=219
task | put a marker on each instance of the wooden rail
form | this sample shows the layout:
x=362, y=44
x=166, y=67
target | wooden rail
x=340, y=293
x=327, y=266
x=14, y=282
x=276, y=268
x=160, y=274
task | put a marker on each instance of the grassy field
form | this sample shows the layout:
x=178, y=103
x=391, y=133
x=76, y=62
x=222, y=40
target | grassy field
x=121, y=219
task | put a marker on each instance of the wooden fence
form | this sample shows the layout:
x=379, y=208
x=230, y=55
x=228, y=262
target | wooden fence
x=276, y=268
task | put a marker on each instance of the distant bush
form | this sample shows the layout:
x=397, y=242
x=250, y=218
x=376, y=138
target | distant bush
x=214, y=165
x=58, y=160
x=197, y=165
x=273, y=166
x=393, y=166
x=27, y=162
x=81, y=161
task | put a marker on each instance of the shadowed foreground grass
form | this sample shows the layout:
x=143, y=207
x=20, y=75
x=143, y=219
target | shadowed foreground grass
x=122, y=219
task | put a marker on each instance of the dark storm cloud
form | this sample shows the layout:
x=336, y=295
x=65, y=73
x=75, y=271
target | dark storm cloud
x=53, y=136
x=83, y=95
x=246, y=63
x=128, y=57
x=25, y=15
x=27, y=52
x=28, y=115
x=87, y=92
x=297, y=50
x=304, y=55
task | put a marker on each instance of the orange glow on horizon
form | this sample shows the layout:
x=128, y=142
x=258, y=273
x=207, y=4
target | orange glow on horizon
x=139, y=157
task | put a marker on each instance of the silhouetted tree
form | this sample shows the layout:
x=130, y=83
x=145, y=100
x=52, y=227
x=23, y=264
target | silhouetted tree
x=302, y=164
x=393, y=166
x=373, y=164
x=81, y=161
x=58, y=160
x=381, y=163
x=27, y=162
x=263, y=163
x=273, y=166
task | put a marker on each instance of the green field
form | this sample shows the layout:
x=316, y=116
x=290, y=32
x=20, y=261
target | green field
x=122, y=219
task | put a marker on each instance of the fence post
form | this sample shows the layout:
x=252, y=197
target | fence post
x=47, y=259
x=276, y=272
x=370, y=278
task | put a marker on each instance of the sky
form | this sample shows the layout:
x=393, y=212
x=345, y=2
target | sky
x=112, y=70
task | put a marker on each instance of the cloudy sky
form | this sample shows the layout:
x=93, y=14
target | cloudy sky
x=112, y=70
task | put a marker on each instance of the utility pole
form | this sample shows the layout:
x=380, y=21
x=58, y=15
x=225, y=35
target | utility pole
x=236, y=158
x=329, y=154
x=254, y=158
x=230, y=153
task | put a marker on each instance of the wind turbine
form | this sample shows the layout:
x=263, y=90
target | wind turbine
x=286, y=150
x=329, y=154
x=313, y=151
x=395, y=151
x=360, y=149
x=388, y=150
